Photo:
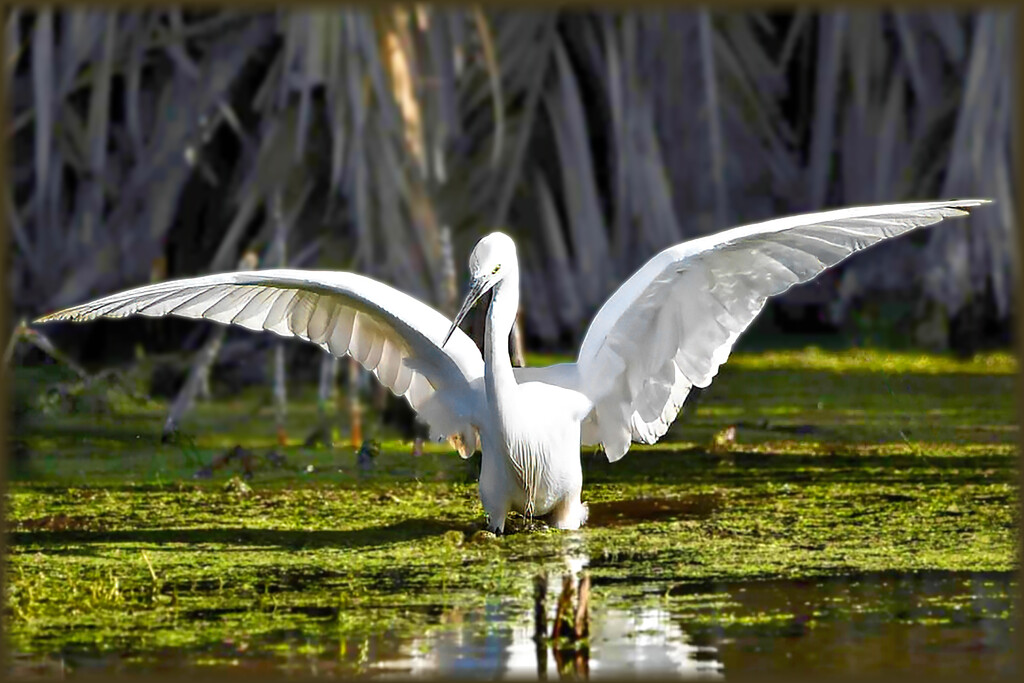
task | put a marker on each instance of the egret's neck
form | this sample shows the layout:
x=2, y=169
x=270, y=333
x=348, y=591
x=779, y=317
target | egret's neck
x=500, y=318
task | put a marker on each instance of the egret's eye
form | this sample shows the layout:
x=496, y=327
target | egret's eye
x=496, y=269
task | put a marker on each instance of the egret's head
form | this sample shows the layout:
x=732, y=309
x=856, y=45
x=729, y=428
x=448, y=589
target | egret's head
x=492, y=258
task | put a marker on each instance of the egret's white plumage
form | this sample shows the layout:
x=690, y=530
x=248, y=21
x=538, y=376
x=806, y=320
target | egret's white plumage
x=668, y=328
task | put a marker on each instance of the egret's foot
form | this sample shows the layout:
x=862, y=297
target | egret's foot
x=517, y=523
x=496, y=517
x=496, y=529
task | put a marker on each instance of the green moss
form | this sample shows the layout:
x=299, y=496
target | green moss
x=877, y=361
x=842, y=464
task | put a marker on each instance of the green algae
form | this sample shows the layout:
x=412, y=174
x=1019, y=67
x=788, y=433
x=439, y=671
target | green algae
x=841, y=465
x=877, y=361
x=851, y=360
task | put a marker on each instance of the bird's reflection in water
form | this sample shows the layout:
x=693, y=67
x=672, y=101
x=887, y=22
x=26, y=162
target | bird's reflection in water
x=639, y=641
x=515, y=640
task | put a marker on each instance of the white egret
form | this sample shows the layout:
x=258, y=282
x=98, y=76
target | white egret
x=667, y=329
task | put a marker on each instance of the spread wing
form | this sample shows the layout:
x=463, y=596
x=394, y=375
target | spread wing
x=390, y=333
x=671, y=325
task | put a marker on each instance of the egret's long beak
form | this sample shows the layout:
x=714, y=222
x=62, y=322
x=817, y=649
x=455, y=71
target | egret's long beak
x=477, y=288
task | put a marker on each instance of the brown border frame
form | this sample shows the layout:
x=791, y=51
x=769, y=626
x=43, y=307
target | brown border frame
x=5, y=322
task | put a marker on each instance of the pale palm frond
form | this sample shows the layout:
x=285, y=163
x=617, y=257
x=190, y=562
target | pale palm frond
x=597, y=137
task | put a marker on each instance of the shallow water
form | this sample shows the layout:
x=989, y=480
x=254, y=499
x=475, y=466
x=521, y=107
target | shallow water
x=926, y=623
x=625, y=512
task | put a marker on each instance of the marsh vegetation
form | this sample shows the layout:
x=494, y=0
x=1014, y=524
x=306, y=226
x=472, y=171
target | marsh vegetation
x=863, y=499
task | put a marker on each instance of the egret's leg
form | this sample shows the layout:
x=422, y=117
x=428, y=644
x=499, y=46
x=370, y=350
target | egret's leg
x=497, y=507
x=569, y=513
x=496, y=516
x=494, y=494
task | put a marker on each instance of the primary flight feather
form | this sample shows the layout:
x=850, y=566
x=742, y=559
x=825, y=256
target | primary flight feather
x=667, y=329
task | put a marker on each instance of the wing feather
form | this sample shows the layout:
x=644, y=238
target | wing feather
x=341, y=337
x=278, y=314
x=390, y=333
x=671, y=325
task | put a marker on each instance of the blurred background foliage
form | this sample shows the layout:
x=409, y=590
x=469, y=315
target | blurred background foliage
x=159, y=143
